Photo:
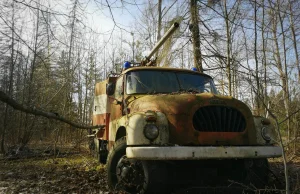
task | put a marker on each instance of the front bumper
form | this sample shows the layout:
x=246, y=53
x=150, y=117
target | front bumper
x=199, y=153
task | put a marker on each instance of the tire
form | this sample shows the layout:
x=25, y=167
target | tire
x=144, y=178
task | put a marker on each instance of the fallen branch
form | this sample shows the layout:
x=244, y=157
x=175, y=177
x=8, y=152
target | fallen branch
x=50, y=115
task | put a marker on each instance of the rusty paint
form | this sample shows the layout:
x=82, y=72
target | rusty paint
x=100, y=88
x=180, y=108
x=102, y=119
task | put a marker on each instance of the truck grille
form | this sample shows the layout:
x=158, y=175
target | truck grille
x=219, y=119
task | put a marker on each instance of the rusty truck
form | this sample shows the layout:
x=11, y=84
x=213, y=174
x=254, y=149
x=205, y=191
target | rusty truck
x=166, y=124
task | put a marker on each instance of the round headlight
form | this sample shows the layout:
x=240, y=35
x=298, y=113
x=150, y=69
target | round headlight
x=266, y=134
x=151, y=131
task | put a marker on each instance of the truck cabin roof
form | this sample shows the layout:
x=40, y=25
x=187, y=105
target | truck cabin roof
x=163, y=69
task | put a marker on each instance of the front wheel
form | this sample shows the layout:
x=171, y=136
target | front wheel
x=133, y=176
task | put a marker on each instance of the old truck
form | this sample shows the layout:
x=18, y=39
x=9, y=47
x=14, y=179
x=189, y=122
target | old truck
x=166, y=124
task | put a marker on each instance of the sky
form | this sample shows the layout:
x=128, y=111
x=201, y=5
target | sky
x=103, y=20
x=117, y=17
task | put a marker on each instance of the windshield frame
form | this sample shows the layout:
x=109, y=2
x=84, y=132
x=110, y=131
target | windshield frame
x=213, y=89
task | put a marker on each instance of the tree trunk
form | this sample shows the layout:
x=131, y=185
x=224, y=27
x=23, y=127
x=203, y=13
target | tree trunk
x=228, y=39
x=264, y=60
x=69, y=91
x=11, y=77
x=285, y=80
x=196, y=35
x=293, y=32
x=257, y=93
x=159, y=23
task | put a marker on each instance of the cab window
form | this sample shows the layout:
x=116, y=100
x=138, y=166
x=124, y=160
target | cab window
x=119, y=88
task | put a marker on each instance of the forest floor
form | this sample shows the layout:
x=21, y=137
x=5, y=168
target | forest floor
x=79, y=172
x=68, y=173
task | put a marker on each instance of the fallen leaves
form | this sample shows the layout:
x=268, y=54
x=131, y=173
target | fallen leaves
x=72, y=174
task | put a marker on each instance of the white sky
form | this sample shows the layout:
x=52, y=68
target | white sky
x=103, y=21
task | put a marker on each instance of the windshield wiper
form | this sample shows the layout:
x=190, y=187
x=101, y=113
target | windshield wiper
x=152, y=92
x=190, y=90
x=156, y=92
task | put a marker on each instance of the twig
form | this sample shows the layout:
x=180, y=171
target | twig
x=289, y=116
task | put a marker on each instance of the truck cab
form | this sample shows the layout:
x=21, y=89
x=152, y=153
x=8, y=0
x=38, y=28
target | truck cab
x=156, y=116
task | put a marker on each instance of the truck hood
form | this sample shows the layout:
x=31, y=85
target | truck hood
x=182, y=103
x=180, y=110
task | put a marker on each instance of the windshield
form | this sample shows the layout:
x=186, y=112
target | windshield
x=151, y=82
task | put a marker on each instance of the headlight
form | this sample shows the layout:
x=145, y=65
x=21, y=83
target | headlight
x=265, y=133
x=151, y=131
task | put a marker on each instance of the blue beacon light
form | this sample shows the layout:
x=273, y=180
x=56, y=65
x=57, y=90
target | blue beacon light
x=194, y=69
x=126, y=65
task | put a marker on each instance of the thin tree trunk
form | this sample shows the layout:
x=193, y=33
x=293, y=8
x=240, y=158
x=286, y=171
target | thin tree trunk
x=228, y=39
x=248, y=65
x=293, y=32
x=11, y=76
x=257, y=96
x=285, y=80
x=159, y=23
x=196, y=35
x=71, y=44
x=264, y=51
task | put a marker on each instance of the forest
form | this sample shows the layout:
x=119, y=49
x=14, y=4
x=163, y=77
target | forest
x=53, y=52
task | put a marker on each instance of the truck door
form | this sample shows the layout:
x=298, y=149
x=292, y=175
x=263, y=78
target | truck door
x=117, y=102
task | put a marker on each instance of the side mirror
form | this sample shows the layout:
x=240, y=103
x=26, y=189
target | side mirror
x=110, y=89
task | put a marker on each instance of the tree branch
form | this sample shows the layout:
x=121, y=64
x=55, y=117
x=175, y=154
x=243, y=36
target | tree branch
x=50, y=115
x=289, y=116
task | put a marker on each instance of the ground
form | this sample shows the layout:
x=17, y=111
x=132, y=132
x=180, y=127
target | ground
x=79, y=172
x=70, y=173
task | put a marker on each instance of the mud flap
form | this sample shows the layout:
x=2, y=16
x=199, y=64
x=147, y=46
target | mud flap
x=103, y=152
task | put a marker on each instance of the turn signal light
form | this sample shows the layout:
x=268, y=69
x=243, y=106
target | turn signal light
x=151, y=118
